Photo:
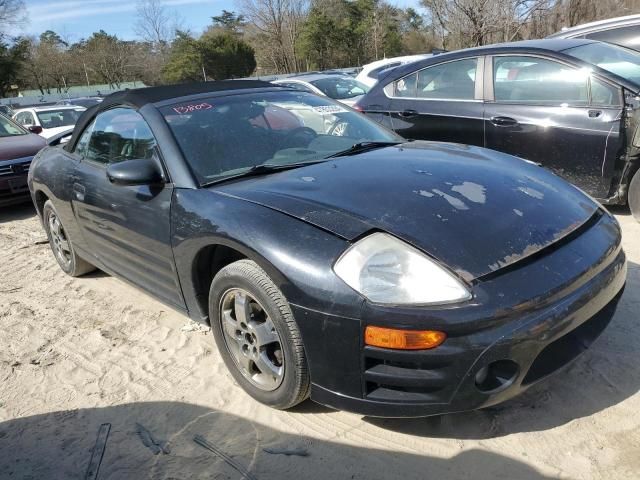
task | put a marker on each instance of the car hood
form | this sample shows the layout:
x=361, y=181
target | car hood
x=473, y=209
x=19, y=146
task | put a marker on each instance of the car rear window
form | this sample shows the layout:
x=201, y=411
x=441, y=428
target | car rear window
x=58, y=118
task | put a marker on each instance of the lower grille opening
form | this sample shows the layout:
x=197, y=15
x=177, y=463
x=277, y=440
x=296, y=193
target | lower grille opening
x=392, y=380
x=562, y=351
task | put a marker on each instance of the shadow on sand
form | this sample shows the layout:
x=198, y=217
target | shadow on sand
x=20, y=211
x=59, y=445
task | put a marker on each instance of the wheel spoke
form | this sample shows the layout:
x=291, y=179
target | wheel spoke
x=229, y=324
x=266, y=367
x=242, y=308
x=244, y=361
x=56, y=226
x=265, y=332
x=64, y=245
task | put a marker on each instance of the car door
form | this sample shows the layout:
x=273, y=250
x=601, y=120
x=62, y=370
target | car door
x=557, y=115
x=126, y=227
x=441, y=102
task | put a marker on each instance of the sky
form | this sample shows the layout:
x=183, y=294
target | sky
x=77, y=19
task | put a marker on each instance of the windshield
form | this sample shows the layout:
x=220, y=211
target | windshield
x=340, y=88
x=618, y=60
x=59, y=118
x=222, y=137
x=8, y=128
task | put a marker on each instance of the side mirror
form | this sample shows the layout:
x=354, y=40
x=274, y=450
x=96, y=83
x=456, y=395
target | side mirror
x=37, y=129
x=135, y=172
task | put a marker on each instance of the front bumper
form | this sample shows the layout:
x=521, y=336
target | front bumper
x=13, y=181
x=493, y=352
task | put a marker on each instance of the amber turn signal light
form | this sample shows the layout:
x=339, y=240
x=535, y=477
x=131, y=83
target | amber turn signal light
x=403, y=339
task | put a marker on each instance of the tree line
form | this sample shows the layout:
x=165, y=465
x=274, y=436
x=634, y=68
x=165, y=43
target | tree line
x=276, y=36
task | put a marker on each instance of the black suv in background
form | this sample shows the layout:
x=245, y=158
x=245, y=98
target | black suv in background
x=623, y=31
x=569, y=105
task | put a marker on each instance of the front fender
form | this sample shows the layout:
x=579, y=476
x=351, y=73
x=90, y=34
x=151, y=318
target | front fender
x=297, y=256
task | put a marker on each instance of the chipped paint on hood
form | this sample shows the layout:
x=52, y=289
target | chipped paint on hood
x=475, y=210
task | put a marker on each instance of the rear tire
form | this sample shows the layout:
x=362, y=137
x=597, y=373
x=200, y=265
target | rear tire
x=257, y=336
x=70, y=262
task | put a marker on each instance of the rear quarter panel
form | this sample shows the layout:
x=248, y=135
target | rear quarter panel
x=51, y=173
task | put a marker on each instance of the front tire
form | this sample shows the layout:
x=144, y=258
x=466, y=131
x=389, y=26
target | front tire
x=257, y=335
x=70, y=262
x=634, y=196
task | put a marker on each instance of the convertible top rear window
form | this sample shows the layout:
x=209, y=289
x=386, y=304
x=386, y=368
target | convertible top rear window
x=223, y=137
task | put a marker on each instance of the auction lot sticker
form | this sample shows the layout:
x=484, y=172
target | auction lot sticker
x=192, y=107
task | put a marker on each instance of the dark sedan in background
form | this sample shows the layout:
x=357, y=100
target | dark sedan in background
x=623, y=31
x=569, y=105
x=17, y=148
x=380, y=276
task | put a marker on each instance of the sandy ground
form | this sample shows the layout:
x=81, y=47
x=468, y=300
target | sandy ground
x=77, y=353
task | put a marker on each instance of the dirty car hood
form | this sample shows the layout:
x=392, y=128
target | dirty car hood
x=476, y=210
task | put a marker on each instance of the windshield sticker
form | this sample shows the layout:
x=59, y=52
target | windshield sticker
x=330, y=109
x=193, y=107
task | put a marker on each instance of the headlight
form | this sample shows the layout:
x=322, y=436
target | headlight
x=387, y=270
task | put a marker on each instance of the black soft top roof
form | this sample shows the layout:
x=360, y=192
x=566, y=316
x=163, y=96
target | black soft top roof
x=139, y=97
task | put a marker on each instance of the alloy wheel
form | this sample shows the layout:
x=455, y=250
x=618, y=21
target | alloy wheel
x=59, y=240
x=252, y=339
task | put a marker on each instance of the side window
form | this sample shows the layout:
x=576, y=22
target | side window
x=406, y=86
x=603, y=94
x=24, y=118
x=538, y=81
x=446, y=81
x=120, y=134
x=83, y=141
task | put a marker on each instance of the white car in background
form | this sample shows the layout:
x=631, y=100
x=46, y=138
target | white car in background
x=370, y=72
x=52, y=120
x=342, y=88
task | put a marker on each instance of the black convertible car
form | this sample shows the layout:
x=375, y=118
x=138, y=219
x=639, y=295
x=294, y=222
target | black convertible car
x=330, y=257
x=570, y=105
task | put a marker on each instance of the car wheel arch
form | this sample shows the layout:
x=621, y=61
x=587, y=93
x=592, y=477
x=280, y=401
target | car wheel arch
x=40, y=199
x=212, y=258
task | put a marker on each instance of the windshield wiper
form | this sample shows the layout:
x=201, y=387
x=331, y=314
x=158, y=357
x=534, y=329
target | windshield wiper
x=262, y=169
x=362, y=147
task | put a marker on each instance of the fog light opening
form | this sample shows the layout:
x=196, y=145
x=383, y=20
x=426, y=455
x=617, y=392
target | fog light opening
x=497, y=376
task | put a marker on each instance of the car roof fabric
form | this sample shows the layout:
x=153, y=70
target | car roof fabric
x=139, y=97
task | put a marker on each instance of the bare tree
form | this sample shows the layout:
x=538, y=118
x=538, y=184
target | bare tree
x=153, y=24
x=274, y=30
x=12, y=13
x=465, y=23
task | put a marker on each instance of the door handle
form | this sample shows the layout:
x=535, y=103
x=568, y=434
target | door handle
x=595, y=113
x=408, y=113
x=79, y=191
x=504, y=121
